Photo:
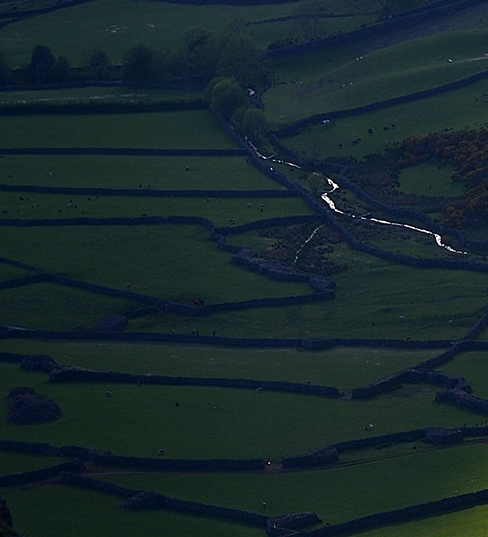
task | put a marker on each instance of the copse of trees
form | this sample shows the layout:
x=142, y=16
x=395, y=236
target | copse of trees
x=200, y=57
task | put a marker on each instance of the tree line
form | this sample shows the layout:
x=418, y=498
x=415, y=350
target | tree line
x=231, y=68
x=200, y=57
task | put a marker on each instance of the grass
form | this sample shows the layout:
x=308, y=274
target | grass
x=343, y=367
x=415, y=477
x=434, y=304
x=219, y=210
x=163, y=173
x=47, y=306
x=118, y=25
x=196, y=129
x=467, y=107
x=89, y=94
x=12, y=463
x=375, y=299
x=472, y=366
x=54, y=511
x=175, y=262
x=140, y=420
x=9, y=272
x=429, y=180
x=315, y=85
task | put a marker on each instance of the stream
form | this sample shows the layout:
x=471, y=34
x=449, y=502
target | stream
x=438, y=239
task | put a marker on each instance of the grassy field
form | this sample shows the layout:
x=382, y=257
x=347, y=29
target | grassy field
x=220, y=210
x=473, y=367
x=413, y=477
x=95, y=94
x=175, y=262
x=117, y=25
x=55, y=511
x=343, y=367
x=316, y=85
x=429, y=180
x=374, y=298
x=168, y=130
x=140, y=420
x=47, y=306
x=370, y=303
x=467, y=107
x=8, y=272
x=162, y=173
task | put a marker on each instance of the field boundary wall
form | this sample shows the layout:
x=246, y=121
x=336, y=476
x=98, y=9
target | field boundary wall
x=71, y=374
x=23, y=478
x=298, y=126
x=402, y=20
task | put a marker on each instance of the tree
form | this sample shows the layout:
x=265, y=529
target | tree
x=307, y=17
x=138, y=64
x=200, y=54
x=42, y=61
x=252, y=123
x=98, y=64
x=226, y=96
x=60, y=71
x=242, y=59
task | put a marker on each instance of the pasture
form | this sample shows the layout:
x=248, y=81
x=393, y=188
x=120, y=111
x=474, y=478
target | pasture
x=117, y=25
x=318, y=84
x=138, y=421
x=220, y=210
x=375, y=300
x=467, y=107
x=110, y=171
x=343, y=367
x=93, y=94
x=196, y=129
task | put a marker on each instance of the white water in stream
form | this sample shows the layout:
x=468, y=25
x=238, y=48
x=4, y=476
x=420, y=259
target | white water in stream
x=332, y=206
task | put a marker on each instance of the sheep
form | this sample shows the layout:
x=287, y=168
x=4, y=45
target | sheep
x=162, y=452
x=264, y=505
x=108, y=393
x=370, y=427
x=260, y=389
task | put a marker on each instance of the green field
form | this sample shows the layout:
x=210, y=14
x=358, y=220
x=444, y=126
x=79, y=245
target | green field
x=117, y=25
x=139, y=421
x=467, y=107
x=413, y=476
x=343, y=367
x=220, y=210
x=94, y=94
x=169, y=130
x=318, y=84
x=161, y=173
x=46, y=306
x=375, y=299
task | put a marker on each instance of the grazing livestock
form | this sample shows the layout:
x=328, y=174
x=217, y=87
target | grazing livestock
x=108, y=394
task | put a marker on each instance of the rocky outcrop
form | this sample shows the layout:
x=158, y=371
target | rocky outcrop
x=27, y=407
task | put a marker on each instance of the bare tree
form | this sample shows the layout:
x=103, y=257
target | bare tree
x=308, y=16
